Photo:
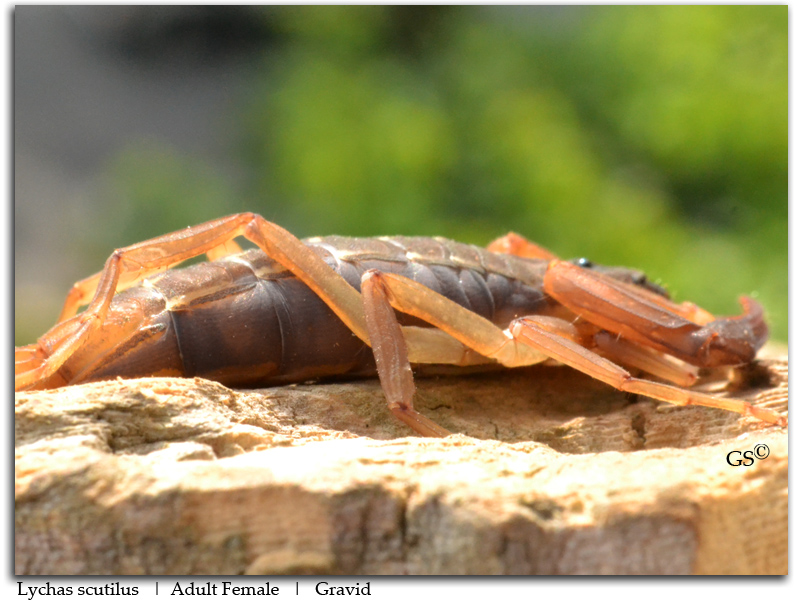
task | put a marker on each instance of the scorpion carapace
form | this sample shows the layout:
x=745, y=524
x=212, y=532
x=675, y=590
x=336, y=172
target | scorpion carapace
x=291, y=310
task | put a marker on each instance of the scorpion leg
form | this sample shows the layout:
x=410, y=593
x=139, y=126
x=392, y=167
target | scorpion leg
x=513, y=243
x=532, y=331
x=391, y=356
x=622, y=351
x=645, y=359
x=470, y=329
x=531, y=339
x=28, y=358
x=83, y=290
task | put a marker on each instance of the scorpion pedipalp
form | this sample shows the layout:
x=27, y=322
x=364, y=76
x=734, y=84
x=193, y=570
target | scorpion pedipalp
x=653, y=321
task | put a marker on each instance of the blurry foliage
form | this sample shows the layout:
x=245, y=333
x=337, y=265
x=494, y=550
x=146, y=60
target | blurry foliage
x=155, y=189
x=655, y=137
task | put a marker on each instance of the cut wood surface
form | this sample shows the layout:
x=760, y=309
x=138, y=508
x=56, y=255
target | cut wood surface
x=548, y=472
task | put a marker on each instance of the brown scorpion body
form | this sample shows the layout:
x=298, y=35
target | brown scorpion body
x=294, y=310
x=244, y=320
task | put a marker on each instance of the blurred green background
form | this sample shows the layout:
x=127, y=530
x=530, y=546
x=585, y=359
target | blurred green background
x=651, y=137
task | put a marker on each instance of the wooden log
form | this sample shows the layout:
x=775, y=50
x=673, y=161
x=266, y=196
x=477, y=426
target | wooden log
x=548, y=472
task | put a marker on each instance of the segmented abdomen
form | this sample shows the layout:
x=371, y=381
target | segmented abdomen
x=245, y=320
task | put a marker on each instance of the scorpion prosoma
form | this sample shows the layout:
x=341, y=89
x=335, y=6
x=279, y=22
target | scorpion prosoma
x=291, y=310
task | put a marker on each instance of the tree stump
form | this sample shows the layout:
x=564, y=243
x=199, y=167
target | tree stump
x=549, y=472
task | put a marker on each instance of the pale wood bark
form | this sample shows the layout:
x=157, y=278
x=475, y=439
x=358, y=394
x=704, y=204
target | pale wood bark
x=549, y=473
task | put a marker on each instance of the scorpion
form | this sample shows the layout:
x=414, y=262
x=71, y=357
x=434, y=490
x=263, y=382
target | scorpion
x=291, y=310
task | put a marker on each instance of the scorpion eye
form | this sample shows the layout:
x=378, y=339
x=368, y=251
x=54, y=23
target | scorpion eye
x=585, y=263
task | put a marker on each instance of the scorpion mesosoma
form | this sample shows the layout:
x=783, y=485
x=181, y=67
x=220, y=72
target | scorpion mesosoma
x=291, y=310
